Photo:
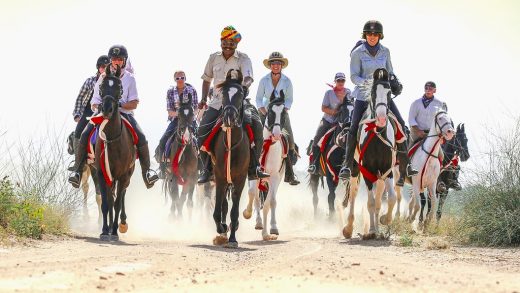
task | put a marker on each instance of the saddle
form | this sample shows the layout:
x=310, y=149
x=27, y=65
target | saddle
x=209, y=143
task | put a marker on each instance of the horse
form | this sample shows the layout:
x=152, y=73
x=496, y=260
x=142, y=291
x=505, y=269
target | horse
x=454, y=150
x=88, y=171
x=273, y=160
x=426, y=159
x=182, y=169
x=115, y=156
x=376, y=155
x=230, y=157
x=333, y=151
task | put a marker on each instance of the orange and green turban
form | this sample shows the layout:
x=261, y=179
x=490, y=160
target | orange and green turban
x=230, y=33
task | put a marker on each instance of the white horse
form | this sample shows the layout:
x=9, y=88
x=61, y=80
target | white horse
x=376, y=156
x=274, y=165
x=426, y=160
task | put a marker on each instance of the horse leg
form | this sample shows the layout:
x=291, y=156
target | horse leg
x=315, y=182
x=265, y=210
x=225, y=205
x=423, y=204
x=442, y=199
x=414, y=205
x=348, y=229
x=189, y=204
x=331, y=197
x=398, y=192
x=391, y=199
x=379, y=190
x=174, y=196
x=220, y=194
x=95, y=178
x=432, y=196
x=258, y=225
x=273, y=187
x=104, y=209
x=371, y=206
x=252, y=191
x=235, y=213
x=181, y=200
x=111, y=206
x=117, y=210
x=84, y=188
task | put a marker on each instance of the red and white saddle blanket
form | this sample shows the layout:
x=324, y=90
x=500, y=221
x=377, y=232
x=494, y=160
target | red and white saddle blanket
x=207, y=144
x=105, y=163
x=265, y=151
x=325, y=163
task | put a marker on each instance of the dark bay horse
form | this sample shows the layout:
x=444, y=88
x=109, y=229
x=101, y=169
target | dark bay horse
x=115, y=157
x=182, y=169
x=376, y=155
x=332, y=157
x=230, y=157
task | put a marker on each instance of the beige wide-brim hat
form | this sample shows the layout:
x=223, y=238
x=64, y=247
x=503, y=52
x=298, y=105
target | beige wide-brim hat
x=276, y=56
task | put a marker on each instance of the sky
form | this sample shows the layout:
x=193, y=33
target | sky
x=469, y=48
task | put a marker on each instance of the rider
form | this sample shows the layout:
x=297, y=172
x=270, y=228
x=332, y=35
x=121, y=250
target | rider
x=422, y=112
x=172, y=104
x=217, y=67
x=82, y=108
x=365, y=59
x=331, y=101
x=276, y=81
x=128, y=102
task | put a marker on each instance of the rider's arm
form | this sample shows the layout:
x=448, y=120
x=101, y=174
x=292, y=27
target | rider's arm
x=412, y=115
x=260, y=96
x=205, y=90
x=194, y=101
x=355, y=69
x=207, y=77
x=78, y=106
x=289, y=95
x=96, y=98
x=328, y=110
x=132, y=105
x=389, y=66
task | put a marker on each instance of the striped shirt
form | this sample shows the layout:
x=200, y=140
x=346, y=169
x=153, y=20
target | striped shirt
x=85, y=94
x=172, y=97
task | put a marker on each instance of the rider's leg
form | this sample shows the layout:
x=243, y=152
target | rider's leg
x=207, y=123
x=80, y=155
x=290, y=177
x=360, y=107
x=453, y=178
x=322, y=129
x=404, y=162
x=159, y=151
x=149, y=176
x=252, y=118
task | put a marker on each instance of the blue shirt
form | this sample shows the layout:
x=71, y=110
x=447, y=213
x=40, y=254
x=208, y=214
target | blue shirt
x=266, y=88
x=363, y=65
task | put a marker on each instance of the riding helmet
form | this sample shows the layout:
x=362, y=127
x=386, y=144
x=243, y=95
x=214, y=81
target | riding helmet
x=118, y=51
x=373, y=26
x=102, y=60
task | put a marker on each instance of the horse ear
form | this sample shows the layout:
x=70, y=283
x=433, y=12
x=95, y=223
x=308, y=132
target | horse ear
x=458, y=127
x=282, y=95
x=108, y=70
x=272, y=97
x=190, y=98
x=118, y=71
x=462, y=128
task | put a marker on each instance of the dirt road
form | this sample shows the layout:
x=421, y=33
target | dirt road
x=309, y=256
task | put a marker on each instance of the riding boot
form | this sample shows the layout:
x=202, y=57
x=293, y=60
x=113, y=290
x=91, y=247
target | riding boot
x=453, y=182
x=149, y=176
x=158, y=154
x=313, y=167
x=346, y=167
x=405, y=168
x=206, y=171
x=80, y=154
x=290, y=177
x=75, y=145
x=255, y=172
x=162, y=170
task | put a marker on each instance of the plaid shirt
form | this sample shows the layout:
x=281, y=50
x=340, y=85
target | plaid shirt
x=85, y=94
x=172, y=97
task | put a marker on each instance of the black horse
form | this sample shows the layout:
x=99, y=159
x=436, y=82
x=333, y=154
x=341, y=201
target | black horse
x=230, y=157
x=454, y=151
x=114, y=144
x=332, y=157
x=182, y=169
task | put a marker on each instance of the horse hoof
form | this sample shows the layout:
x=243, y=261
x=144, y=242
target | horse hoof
x=114, y=237
x=220, y=240
x=104, y=237
x=123, y=228
x=269, y=237
x=259, y=227
x=274, y=232
x=383, y=220
x=347, y=233
x=231, y=244
x=369, y=236
x=247, y=214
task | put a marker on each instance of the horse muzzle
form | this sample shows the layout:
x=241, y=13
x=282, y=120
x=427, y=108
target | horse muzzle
x=448, y=135
x=381, y=121
x=230, y=119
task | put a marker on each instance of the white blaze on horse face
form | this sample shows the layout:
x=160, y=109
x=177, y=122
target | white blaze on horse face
x=381, y=98
x=277, y=130
x=231, y=93
x=186, y=112
x=447, y=126
x=110, y=83
x=186, y=135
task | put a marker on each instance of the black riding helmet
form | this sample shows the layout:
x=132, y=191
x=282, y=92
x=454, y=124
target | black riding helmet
x=118, y=51
x=373, y=26
x=102, y=60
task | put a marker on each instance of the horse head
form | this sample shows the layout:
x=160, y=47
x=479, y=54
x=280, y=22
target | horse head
x=232, y=98
x=344, y=117
x=380, y=96
x=110, y=91
x=444, y=125
x=275, y=119
x=185, y=115
x=461, y=143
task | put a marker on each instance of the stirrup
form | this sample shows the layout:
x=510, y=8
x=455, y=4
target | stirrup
x=311, y=169
x=204, y=176
x=410, y=171
x=400, y=182
x=75, y=179
x=151, y=177
x=261, y=174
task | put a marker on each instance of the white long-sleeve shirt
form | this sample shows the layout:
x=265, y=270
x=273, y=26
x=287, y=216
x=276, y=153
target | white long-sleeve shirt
x=422, y=117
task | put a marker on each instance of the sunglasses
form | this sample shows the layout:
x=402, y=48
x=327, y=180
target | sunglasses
x=275, y=63
x=180, y=78
x=371, y=34
x=429, y=87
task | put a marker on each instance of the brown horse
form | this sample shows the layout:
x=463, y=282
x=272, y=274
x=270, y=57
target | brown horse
x=183, y=157
x=116, y=154
x=230, y=157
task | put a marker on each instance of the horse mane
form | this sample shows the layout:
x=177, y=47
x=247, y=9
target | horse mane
x=233, y=77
